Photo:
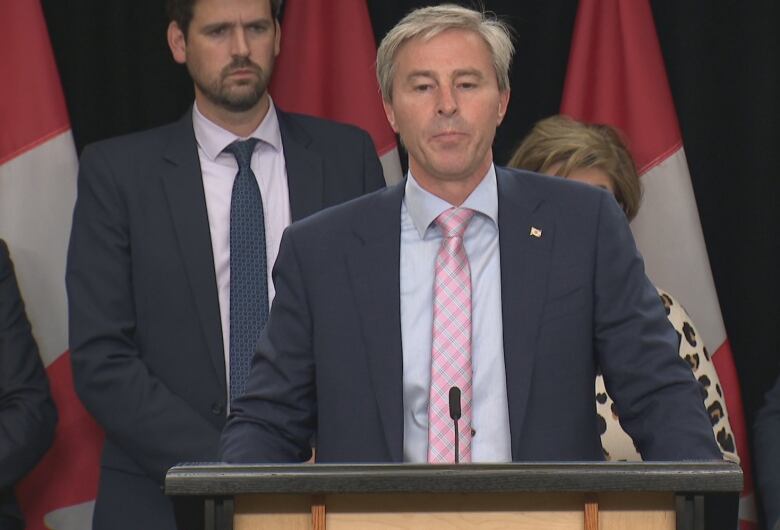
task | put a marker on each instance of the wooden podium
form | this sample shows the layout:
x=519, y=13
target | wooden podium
x=523, y=496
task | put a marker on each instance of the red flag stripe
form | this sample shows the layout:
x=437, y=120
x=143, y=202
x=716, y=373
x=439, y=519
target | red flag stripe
x=30, y=95
x=618, y=77
x=330, y=73
x=34, y=123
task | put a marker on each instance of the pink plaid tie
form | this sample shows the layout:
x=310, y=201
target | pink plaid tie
x=451, y=351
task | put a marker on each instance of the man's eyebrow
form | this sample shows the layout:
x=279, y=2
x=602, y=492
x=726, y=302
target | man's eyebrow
x=457, y=73
x=264, y=22
x=469, y=71
x=217, y=25
x=420, y=73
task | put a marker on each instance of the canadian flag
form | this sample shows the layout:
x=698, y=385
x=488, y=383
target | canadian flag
x=330, y=72
x=37, y=192
x=616, y=75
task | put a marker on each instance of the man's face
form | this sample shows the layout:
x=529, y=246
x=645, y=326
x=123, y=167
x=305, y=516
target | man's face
x=446, y=106
x=229, y=51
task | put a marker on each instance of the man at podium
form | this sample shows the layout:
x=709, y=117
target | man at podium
x=462, y=314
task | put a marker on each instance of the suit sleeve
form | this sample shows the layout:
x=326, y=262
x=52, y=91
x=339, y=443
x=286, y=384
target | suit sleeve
x=767, y=444
x=659, y=403
x=139, y=413
x=275, y=419
x=27, y=414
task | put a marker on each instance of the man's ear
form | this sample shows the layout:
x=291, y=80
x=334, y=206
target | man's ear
x=390, y=113
x=177, y=42
x=277, y=38
x=503, y=102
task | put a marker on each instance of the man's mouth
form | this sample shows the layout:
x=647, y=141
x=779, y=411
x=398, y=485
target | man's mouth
x=242, y=72
x=449, y=135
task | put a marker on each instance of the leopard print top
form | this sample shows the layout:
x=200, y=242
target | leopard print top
x=618, y=446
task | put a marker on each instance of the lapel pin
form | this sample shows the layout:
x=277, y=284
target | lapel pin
x=536, y=232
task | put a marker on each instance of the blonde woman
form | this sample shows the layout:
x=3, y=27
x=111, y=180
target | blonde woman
x=597, y=155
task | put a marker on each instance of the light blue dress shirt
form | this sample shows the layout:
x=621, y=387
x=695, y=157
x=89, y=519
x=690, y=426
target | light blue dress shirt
x=420, y=242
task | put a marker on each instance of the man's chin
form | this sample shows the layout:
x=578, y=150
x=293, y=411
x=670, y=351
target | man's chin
x=242, y=105
x=240, y=102
x=452, y=169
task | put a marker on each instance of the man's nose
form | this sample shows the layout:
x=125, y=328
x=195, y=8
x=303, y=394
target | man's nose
x=239, y=43
x=448, y=103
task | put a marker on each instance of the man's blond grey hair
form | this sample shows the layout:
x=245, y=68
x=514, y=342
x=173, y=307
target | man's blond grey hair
x=427, y=22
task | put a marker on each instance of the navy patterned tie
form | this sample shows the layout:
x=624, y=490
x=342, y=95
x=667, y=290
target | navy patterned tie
x=248, y=270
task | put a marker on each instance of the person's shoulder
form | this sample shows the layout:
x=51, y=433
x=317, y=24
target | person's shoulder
x=567, y=194
x=140, y=144
x=5, y=261
x=380, y=206
x=320, y=128
x=772, y=404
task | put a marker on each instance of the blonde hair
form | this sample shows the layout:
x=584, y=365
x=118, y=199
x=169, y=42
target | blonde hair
x=427, y=22
x=576, y=145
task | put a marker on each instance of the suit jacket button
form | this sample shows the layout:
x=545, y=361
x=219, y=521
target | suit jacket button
x=217, y=408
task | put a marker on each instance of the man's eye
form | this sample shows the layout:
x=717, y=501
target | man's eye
x=422, y=88
x=216, y=32
x=256, y=28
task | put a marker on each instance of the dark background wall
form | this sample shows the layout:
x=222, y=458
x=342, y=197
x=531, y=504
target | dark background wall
x=722, y=60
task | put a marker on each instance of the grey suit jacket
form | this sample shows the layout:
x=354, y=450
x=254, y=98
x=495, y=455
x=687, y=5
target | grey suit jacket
x=145, y=332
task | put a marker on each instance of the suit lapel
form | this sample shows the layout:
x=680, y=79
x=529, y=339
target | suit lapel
x=373, y=267
x=183, y=186
x=304, y=168
x=525, y=259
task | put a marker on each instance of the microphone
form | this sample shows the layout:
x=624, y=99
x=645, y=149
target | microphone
x=455, y=415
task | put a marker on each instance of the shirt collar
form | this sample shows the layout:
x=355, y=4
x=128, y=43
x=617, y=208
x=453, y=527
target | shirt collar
x=424, y=207
x=213, y=139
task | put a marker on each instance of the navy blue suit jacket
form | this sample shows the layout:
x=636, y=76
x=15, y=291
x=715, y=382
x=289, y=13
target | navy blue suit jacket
x=573, y=300
x=145, y=332
x=766, y=440
x=27, y=413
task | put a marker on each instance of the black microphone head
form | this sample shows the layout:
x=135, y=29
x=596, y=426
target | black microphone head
x=455, y=403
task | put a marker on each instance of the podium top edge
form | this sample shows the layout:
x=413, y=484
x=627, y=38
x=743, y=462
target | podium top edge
x=210, y=479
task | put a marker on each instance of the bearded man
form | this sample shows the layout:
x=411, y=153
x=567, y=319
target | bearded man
x=175, y=232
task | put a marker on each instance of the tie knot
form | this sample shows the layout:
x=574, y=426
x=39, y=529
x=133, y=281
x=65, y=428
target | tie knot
x=453, y=222
x=242, y=150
